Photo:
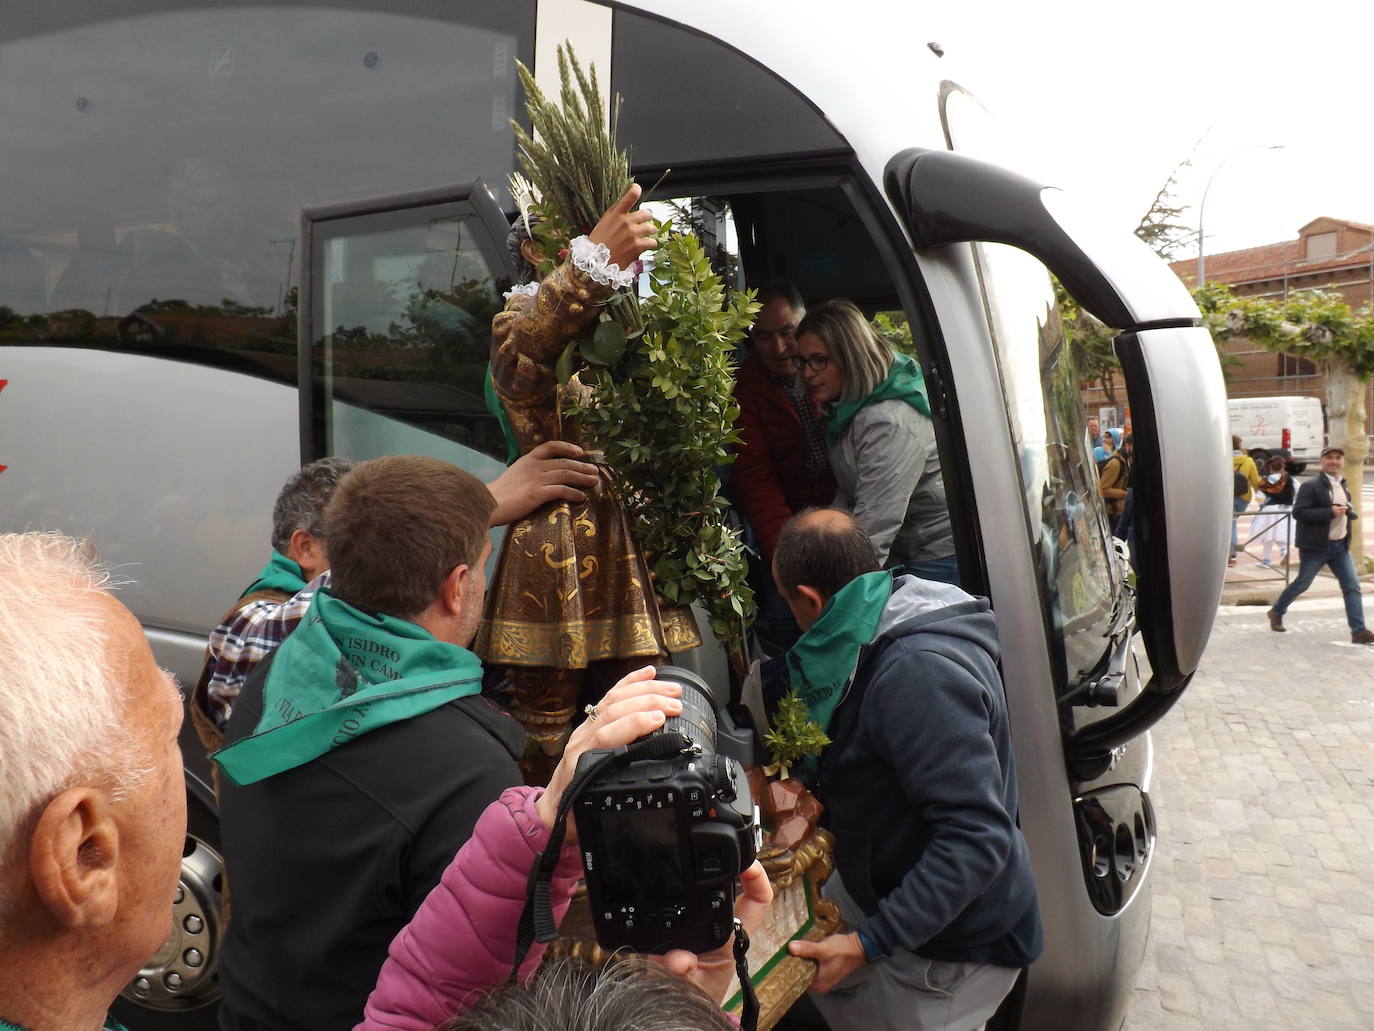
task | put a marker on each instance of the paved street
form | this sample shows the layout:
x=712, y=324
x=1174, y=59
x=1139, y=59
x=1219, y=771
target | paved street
x=1263, y=903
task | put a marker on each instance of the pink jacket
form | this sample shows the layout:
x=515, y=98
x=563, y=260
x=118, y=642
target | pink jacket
x=461, y=941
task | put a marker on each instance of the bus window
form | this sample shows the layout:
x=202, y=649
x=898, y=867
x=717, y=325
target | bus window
x=401, y=294
x=169, y=147
x=1068, y=532
x=739, y=110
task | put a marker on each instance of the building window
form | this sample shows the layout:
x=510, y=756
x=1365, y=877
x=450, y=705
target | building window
x=1321, y=245
x=1291, y=365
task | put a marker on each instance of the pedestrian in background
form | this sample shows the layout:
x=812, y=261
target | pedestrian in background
x=1114, y=481
x=1274, y=521
x=1105, y=447
x=1245, y=480
x=1325, y=521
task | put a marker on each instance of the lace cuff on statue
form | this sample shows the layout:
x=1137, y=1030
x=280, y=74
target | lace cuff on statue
x=528, y=289
x=594, y=260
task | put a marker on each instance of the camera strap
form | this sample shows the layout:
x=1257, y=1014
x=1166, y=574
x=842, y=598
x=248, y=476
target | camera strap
x=749, y=1004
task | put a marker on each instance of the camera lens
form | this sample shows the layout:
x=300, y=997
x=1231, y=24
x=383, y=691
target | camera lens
x=697, y=722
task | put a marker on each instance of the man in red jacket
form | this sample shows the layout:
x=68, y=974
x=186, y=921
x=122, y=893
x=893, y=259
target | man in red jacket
x=782, y=464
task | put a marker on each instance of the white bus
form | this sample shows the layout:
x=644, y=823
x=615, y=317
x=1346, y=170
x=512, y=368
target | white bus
x=235, y=236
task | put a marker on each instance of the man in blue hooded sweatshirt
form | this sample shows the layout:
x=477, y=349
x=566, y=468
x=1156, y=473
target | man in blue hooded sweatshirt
x=932, y=872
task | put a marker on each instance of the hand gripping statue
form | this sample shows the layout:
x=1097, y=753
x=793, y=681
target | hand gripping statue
x=572, y=590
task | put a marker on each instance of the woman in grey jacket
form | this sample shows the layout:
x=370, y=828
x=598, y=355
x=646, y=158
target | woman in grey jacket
x=882, y=439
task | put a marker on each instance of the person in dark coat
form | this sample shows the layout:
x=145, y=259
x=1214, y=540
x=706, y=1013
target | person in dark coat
x=919, y=783
x=1325, y=524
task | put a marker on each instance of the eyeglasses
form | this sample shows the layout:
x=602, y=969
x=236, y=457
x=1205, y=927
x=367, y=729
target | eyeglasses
x=816, y=363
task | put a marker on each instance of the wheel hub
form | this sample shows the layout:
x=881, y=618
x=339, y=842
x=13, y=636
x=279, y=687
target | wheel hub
x=181, y=974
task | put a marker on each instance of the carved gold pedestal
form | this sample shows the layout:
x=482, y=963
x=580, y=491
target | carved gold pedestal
x=798, y=911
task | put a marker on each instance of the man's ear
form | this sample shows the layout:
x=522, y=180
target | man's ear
x=454, y=591
x=73, y=858
x=304, y=549
x=809, y=600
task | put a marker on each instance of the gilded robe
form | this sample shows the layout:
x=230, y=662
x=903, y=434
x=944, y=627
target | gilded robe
x=571, y=586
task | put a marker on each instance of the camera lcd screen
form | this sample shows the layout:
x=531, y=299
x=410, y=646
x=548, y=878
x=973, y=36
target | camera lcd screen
x=641, y=855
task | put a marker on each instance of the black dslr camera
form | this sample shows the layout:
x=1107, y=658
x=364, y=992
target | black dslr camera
x=663, y=839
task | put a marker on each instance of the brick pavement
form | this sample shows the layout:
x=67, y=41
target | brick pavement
x=1264, y=782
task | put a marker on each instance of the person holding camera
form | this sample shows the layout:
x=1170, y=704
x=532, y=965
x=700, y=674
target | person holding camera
x=463, y=939
x=931, y=871
x=1325, y=524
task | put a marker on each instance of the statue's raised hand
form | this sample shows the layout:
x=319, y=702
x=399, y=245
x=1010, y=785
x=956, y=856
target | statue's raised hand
x=626, y=233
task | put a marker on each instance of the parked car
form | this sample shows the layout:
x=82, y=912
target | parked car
x=1289, y=426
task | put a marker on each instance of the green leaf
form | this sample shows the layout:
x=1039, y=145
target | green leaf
x=562, y=369
x=606, y=345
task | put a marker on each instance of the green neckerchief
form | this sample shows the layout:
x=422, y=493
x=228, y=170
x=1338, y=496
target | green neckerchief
x=341, y=674
x=822, y=662
x=497, y=409
x=904, y=382
x=280, y=574
x=110, y=1025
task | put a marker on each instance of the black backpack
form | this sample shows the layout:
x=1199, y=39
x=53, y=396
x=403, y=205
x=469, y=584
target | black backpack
x=1242, y=484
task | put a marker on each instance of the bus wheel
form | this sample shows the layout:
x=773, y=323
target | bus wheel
x=178, y=988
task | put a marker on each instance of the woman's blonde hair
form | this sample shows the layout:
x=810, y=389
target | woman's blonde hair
x=863, y=357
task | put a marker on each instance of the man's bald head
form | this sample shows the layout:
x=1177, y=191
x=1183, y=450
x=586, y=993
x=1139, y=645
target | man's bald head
x=822, y=549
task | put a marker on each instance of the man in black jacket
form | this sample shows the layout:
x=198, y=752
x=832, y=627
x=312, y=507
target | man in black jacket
x=919, y=783
x=361, y=752
x=1325, y=525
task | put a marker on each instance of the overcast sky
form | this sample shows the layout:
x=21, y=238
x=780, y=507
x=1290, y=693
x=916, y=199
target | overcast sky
x=1134, y=86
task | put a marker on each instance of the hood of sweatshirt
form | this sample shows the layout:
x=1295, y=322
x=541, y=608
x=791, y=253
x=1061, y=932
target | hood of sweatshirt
x=930, y=607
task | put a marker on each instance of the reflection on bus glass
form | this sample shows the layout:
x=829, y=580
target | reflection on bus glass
x=644, y=862
x=1068, y=531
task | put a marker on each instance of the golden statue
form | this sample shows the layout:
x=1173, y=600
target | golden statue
x=572, y=590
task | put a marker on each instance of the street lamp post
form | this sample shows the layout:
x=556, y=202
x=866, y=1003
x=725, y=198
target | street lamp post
x=1202, y=208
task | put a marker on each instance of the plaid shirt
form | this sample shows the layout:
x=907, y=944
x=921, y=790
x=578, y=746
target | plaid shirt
x=239, y=643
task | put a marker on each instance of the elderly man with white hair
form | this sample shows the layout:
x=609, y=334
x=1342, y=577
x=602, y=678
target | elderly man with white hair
x=92, y=803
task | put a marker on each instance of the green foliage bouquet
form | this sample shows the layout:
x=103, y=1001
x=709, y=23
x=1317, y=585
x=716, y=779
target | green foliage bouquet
x=663, y=414
x=660, y=406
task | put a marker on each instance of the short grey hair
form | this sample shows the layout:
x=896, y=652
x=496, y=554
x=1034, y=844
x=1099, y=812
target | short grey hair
x=629, y=994
x=62, y=714
x=300, y=504
x=864, y=357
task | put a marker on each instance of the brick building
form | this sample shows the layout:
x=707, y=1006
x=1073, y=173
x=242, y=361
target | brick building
x=1329, y=254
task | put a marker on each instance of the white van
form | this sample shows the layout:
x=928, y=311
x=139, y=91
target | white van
x=1287, y=426
x=235, y=236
